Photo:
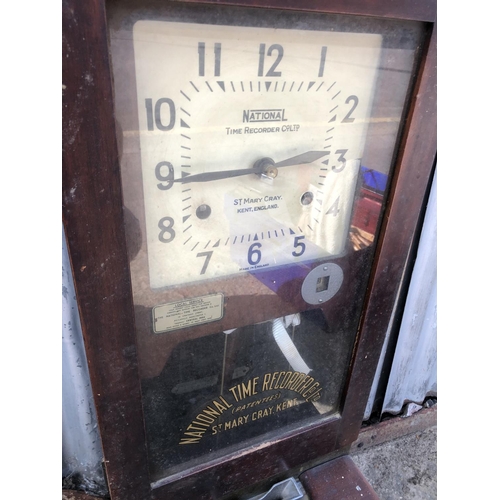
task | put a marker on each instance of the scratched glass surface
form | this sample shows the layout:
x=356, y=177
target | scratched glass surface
x=256, y=151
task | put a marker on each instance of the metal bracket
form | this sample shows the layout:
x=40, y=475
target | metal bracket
x=289, y=489
x=322, y=283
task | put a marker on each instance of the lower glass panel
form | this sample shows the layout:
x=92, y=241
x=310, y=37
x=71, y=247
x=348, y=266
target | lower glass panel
x=225, y=389
x=256, y=154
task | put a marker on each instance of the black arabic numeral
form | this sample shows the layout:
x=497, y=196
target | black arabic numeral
x=355, y=100
x=298, y=244
x=322, y=61
x=168, y=179
x=208, y=256
x=254, y=254
x=341, y=159
x=262, y=53
x=166, y=225
x=334, y=209
x=217, y=52
x=154, y=115
x=201, y=58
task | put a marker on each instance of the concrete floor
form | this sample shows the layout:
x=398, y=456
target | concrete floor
x=404, y=467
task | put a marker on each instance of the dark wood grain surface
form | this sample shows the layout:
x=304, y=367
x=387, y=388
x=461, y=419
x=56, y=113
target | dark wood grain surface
x=399, y=232
x=338, y=479
x=93, y=221
x=396, y=9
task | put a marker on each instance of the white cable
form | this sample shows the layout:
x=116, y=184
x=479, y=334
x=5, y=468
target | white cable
x=288, y=348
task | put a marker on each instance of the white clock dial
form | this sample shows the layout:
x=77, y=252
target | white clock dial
x=251, y=142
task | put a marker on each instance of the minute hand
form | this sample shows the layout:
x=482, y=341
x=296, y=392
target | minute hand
x=308, y=157
x=303, y=158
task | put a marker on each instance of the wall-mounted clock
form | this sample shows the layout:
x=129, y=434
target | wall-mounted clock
x=248, y=139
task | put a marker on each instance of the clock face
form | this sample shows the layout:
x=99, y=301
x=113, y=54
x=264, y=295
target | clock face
x=251, y=141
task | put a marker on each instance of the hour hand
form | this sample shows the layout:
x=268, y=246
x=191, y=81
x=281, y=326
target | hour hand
x=214, y=176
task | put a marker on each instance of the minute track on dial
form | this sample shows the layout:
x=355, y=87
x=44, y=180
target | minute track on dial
x=259, y=168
